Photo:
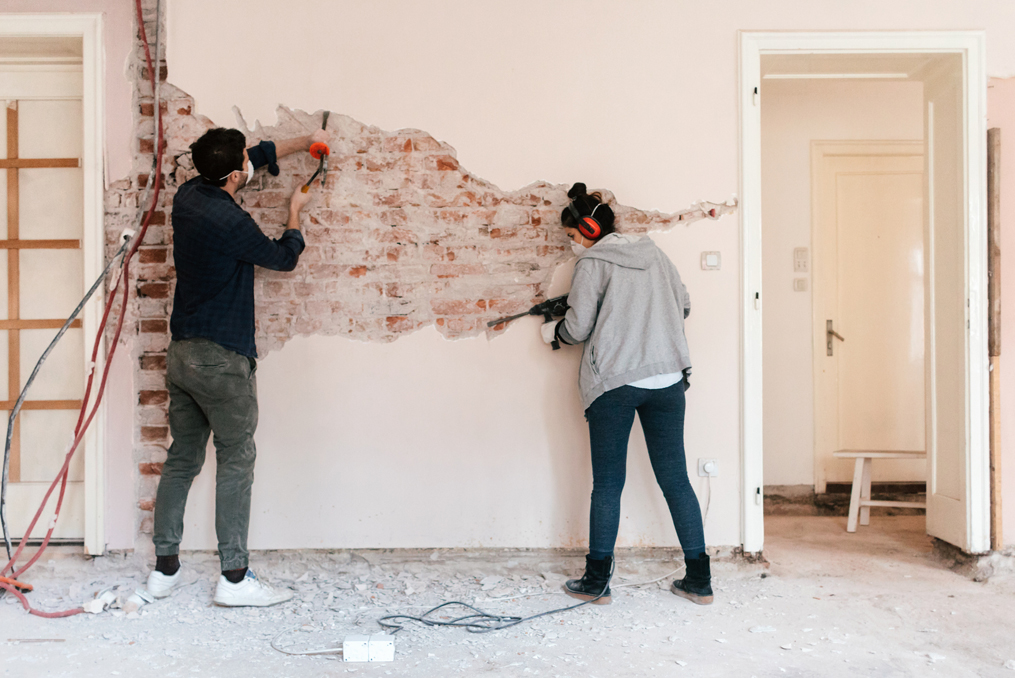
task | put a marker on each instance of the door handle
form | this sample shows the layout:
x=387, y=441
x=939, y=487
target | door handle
x=831, y=334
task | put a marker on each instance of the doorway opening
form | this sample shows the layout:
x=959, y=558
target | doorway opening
x=863, y=224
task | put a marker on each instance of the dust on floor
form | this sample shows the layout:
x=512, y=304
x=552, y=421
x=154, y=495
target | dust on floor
x=878, y=603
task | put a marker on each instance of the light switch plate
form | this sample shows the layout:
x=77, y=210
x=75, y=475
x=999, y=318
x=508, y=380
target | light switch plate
x=711, y=261
x=799, y=284
x=801, y=260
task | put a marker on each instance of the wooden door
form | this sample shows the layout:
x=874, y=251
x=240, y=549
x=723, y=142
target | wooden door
x=950, y=487
x=868, y=290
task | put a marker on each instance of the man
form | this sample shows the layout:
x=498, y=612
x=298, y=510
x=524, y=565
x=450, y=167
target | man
x=210, y=363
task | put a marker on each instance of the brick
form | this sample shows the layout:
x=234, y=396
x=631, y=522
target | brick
x=153, y=434
x=277, y=289
x=269, y=199
x=146, y=505
x=153, y=255
x=163, y=71
x=426, y=143
x=358, y=271
x=397, y=145
x=147, y=108
x=445, y=163
x=394, y=235
x=456, y=270
x=155, y=326
x=457, y=306
x=150, y=469
x=154, y=290
x=155, y=363
x=153, y=397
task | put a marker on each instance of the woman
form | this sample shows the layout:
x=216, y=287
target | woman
x=627, y=304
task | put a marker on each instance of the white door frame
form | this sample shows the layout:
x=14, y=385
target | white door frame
x=89, y=27
x=970, y=44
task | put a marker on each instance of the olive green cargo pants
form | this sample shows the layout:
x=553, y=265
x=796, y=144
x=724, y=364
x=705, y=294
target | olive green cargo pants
x=212, y=390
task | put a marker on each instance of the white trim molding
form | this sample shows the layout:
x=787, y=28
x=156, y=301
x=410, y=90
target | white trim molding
x=89, y=27
x=972, y=46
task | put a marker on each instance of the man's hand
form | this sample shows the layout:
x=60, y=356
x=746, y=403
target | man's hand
x=297, y=202
x=299, y=199
x=319, y=135
x=284, y=147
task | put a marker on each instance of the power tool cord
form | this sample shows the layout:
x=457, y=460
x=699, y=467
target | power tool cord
x=480, y=622
x=484, y=622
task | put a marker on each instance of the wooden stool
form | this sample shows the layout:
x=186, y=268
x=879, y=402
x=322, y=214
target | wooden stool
x=860, y=499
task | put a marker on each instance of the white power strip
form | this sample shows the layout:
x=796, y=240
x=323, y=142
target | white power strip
x=380, y=647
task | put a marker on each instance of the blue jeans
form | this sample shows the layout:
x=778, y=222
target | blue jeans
x=610, y=419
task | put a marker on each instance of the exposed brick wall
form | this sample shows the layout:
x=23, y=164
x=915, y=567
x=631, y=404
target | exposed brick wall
x=145, y=332
x=402, y=237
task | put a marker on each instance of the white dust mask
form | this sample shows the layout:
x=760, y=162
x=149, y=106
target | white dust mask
x=577, y=248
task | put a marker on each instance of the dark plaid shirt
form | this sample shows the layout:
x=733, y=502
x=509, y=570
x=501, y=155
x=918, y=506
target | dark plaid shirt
x=216, y=245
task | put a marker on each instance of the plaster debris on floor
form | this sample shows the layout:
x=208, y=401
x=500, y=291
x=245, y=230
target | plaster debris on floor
x=880, y=602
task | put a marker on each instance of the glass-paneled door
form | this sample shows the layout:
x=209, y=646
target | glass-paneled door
x=41, y=281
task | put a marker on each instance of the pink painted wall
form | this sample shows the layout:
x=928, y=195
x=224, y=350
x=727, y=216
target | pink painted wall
x=1001, y=113
x=118, y=16
x=636, y=97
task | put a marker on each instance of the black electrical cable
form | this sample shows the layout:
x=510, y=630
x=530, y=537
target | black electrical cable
x=24, y=391
x=483, y=622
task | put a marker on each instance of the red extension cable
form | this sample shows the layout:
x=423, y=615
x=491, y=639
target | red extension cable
x=83, y=422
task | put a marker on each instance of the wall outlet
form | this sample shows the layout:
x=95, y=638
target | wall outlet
x=708, y=467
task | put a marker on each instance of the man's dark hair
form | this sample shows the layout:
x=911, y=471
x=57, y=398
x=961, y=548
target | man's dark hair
x=217, y=153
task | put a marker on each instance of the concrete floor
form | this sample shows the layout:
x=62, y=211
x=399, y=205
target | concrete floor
x=877, y=603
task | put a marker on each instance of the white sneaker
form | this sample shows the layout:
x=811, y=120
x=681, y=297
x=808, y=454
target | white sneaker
x=161, y=585
x=250, y=592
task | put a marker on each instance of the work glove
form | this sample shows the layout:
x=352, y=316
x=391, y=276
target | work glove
x=548, y=331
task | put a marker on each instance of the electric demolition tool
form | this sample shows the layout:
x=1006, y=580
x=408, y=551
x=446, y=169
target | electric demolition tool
x=549, y=309
x=319, y=151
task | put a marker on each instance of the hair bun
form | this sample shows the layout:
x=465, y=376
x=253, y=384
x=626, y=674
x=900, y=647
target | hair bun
x=577, y=190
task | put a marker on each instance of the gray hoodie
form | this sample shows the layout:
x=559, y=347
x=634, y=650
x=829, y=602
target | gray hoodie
x=628, y=305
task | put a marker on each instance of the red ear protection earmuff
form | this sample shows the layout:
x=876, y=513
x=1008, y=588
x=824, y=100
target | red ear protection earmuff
x=587, y=226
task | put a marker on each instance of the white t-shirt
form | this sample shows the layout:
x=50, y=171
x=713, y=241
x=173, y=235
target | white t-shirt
x=658, y=381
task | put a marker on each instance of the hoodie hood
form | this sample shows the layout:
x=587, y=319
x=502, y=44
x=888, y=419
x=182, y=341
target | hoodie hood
x=622, y=249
